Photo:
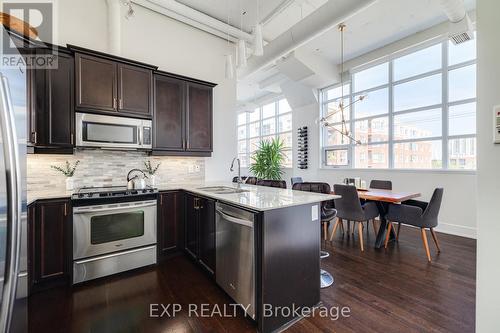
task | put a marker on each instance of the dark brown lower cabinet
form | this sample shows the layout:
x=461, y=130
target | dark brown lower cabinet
x=170, y=222
x=200, y=230
x=49, y=234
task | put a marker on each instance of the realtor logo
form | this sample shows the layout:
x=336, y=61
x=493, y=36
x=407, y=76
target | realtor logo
x=34, y=21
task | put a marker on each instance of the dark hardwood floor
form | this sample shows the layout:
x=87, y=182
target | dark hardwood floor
x=393, y=290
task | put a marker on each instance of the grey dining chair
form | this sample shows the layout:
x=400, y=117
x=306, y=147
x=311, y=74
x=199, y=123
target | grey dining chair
x=295, y=180
x=350, y=208
x=419, y=214
x=381, y=184
x=327, y=215
x=271, y=183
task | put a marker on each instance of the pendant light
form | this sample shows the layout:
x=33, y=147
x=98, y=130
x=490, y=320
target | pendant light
x=229, y=66
x=242, y=48
x=258, y=44
x=341, y=107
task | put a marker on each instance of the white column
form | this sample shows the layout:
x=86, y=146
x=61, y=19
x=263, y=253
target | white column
x=488, y=180
x=114, y=26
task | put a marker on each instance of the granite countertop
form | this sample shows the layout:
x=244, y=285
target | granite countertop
x=258, y=198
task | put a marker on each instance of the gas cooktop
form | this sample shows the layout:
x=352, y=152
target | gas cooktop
x=110, y=192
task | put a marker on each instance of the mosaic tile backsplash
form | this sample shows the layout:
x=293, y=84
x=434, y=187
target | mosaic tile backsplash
x=109, y=168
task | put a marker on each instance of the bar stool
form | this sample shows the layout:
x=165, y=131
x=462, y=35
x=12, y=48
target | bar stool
x=327, y=215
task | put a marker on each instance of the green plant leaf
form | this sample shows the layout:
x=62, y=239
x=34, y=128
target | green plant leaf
x=267, y=160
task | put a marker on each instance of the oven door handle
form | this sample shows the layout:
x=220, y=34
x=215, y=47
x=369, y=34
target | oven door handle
x=94, y=209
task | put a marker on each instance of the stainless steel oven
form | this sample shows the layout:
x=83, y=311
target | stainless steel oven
x=94, y=130
x=113, y=237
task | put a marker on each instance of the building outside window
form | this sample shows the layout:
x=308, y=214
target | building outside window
x=420, y=112
x=272, y=120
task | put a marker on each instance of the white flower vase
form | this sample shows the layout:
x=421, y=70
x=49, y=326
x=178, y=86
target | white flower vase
x=153, y=181
x=70, y=184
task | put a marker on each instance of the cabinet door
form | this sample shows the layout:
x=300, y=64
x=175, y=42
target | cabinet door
x=199, y=118
x=135, y=90
x=207, y=234
x=171, y=215
x=95, y=83
x=60, y=111
x=191, y=221
x=168, y=114
x=51, y=251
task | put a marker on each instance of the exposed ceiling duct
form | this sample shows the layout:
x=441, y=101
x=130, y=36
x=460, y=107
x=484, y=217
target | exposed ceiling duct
x=195, y=18
x=323, y=19
x=460, y=26
x=454, y=9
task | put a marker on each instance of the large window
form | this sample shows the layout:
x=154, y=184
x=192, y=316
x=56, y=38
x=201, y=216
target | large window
x=273, y=120
x=419, y=112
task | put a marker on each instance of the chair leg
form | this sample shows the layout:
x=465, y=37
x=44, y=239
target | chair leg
x=399, y=228
x=353, y=227
x=341, y=225
x=388, y=234
x=360, y=232
x=325, y=230
x=426, y=244
x=335, y=229
x=374, y=228
x=434, y=236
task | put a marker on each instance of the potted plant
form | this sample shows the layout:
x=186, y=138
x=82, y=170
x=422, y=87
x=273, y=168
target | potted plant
x=67, y=170
x=267, y=160
x=151, y=171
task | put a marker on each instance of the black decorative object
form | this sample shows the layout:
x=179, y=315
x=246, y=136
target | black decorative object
x=302, y=147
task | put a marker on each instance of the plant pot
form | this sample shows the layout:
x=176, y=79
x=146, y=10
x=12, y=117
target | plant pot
x=70, y=184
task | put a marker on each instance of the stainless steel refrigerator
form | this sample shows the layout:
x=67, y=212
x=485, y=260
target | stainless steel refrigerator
x=13, y=229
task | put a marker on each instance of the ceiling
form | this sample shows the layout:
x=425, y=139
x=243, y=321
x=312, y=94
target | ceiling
x=380, y=24
x=370, y=30
x=278, y=15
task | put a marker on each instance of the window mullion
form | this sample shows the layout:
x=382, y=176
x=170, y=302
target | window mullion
x=444, y=101
x=391, y=116
x=351, y=151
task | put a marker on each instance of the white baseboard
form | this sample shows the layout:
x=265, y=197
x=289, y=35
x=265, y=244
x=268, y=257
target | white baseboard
x=458, y=230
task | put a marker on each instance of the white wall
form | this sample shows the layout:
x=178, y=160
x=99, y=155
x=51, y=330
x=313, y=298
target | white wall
x=173, y=47
x=488, y=211
x=458, y=211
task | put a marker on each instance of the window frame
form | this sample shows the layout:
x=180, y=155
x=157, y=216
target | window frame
x=444, y=106
x=277, y=115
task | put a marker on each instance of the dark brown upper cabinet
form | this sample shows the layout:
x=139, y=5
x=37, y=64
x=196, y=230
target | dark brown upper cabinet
x=182, y=116
x=96, y=87
x=135, y=89
x=51, y=106
x=168, y=117
x=199, y=118
x=112, y=85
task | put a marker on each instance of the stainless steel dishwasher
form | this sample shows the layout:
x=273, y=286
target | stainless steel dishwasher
x=235, y=261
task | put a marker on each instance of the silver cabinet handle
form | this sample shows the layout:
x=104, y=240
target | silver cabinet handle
x=234, y=219
x=13, y=187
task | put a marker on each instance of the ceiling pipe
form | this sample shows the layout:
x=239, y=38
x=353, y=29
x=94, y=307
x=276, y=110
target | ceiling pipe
x=114, y=26
x=195, y=18
x=163, y=11
x=321, y=20
x=454, y=9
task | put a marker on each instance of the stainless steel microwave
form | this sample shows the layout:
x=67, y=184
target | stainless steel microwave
x=108, y=132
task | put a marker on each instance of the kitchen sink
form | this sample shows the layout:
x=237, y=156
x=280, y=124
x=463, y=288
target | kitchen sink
x=222, y=189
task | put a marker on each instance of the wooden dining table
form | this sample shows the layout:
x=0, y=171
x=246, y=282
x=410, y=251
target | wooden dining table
x=383, y=198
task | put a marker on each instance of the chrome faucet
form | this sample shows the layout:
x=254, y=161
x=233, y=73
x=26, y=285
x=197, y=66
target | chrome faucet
x=239, y=169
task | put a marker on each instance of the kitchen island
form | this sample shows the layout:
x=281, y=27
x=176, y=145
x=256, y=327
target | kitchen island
x=276, y=271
